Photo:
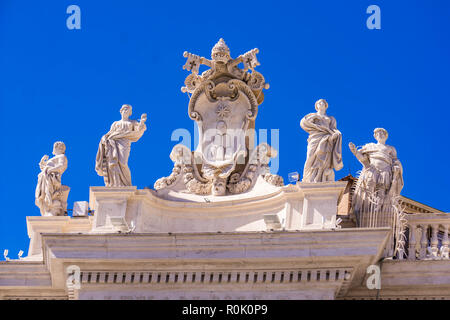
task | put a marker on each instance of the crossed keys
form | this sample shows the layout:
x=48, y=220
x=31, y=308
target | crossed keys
x=193, y=62
x=249, y=59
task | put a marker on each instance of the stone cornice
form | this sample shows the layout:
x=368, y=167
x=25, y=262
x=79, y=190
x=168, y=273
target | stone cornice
x=409, y=280
x=316, y=245
x=218, y=253
x=187, y=264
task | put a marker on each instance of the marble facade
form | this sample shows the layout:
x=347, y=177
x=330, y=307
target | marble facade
x=221, y=225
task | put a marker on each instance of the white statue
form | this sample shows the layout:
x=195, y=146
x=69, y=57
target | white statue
x=51, y=195
x=324, y=151
x=114, y=149
x=381, y=179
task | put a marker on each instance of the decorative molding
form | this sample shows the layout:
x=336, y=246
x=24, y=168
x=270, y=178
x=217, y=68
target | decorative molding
x=248, y=277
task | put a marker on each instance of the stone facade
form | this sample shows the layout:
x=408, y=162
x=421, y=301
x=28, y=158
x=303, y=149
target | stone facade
x=221, y=225
x=102, y=257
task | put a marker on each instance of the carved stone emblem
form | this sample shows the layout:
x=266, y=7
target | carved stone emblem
x=224, y=103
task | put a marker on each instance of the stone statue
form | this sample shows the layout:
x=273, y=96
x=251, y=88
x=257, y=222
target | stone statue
x=381, y=178
x=324, y=151
x=224, y=104
x=114, y=149
x=51, y=195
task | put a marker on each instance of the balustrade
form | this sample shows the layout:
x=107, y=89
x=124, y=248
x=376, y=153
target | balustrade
x=428, y=236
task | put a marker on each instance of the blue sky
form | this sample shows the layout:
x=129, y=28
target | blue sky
x=61, y=84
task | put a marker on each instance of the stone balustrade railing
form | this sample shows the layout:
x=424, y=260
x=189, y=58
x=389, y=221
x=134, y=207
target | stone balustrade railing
x=428, y=237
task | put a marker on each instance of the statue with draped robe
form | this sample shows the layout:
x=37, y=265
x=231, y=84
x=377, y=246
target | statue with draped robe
x=51, y=195
x=381, y=179
x=324, y=152
x=114, y=149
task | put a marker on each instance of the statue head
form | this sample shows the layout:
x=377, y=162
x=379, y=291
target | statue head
x=221, y=52
x=380, y=135
x=59, y=148
x=126, y=111
x=219, y=187
x=321, y=105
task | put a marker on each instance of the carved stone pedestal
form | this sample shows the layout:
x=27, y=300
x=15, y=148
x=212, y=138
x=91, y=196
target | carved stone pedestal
x=265, y=208
x=61, y=224
x=320, y=204
x=110, y=207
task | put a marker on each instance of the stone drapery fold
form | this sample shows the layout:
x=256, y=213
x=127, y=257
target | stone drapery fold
x=324, y=151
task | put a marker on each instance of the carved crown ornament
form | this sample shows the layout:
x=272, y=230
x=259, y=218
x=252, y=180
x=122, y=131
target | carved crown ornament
x=224, y=79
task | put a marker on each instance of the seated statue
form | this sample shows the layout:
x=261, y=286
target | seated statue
x=114, y=149
x=324, y=151
x=381, y=178
x=51, y=195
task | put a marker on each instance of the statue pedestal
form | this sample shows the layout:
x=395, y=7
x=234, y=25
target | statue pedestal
x=266, y=207
x=60, y=224
x=110, y=206
x=320, y=204
x=303, y=206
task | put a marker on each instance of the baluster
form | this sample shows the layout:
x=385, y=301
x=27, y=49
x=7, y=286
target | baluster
x=412, y=242
x=434, y=241
x=445, y=243
x=423, y=242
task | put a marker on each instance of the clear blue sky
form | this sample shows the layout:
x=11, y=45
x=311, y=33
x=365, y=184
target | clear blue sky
x=60, y=84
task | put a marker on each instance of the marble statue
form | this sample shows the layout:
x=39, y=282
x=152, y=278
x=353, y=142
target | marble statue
x=381, y=179
x=224, y=103
x=324, y=151
x=114, y=149
x=51, y=195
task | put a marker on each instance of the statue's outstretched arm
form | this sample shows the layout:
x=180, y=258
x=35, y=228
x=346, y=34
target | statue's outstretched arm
x=43, y=162
x=359, y=155
x=141, y=124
